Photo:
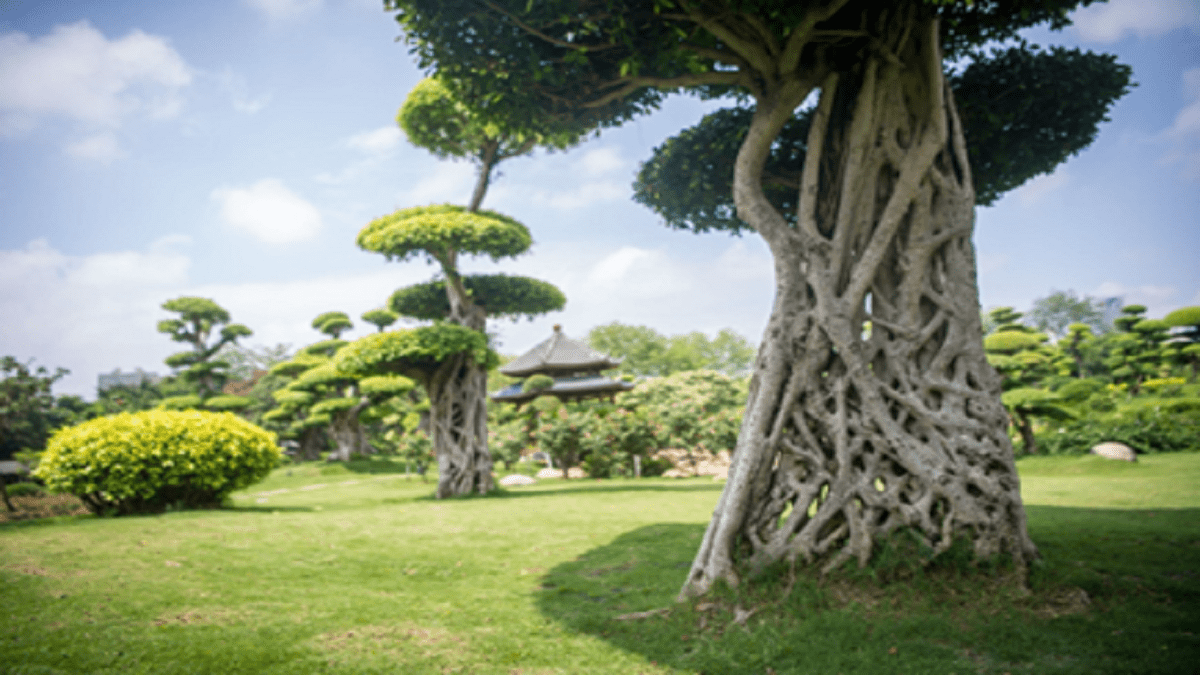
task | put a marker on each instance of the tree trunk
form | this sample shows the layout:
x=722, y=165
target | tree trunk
x=347, y=433
x=312, y=442
x=849, y=435
x=458, y=421
x=1025, y=426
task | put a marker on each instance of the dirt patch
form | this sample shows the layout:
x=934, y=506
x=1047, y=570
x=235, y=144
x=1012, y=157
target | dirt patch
x=43, y=506
x=393, y=641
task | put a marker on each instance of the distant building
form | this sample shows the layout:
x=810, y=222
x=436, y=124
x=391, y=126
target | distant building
x=118, y=379
x=574, y=367
x=1111, y=308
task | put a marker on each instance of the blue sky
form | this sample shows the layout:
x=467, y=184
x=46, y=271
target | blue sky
x=232, y=149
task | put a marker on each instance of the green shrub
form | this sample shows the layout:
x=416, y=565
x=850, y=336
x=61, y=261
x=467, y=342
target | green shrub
x=1148, y=428
x=537, y=382
x=24, y=489
x=149, y=461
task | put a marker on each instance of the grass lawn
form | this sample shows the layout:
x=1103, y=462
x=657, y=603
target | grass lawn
x=329, y=569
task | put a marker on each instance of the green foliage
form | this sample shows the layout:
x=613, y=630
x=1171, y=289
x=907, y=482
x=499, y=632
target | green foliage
x=438, y=231
x=331, y=406
x=380, y=318
x=1187, y=318
x=325, y=348
x=323, y=376
x=185, y=402
x=415, y=352
x=1061, y=311
x=332, y=324
x=298, y=364
x=432, y=118
x=646, y=352
x=384, y=385
x=699, y=410
x=149, y=461
x=1024, y=112
x=500, y=295
x=198, y=318
x=565, y=433
x=27, y=413
x=1156, y=427
x=226, y=402
x=537, y=383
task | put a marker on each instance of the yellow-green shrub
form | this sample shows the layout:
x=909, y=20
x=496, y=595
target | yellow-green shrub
x=148, y=461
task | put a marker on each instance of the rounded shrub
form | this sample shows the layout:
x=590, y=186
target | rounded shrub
x=146, y=462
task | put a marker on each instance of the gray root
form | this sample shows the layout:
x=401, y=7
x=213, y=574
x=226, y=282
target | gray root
x=458, y=426
x=872, y=407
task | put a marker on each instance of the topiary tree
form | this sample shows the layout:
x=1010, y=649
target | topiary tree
x=332, y=324
x=869, y=218
x=146, y=462
x=1025, y=403
x=1188, y=320
x=380, y=318
x=441, y=358
x=198, y=318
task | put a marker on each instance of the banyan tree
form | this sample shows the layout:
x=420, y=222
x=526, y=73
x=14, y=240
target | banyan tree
x=872, y=408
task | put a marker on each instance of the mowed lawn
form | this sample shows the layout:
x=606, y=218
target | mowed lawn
x=356, y=570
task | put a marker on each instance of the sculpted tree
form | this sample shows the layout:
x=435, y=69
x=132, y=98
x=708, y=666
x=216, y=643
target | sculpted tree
x=332, y=324
x=380, y=318
x=438, y=121
x=458, y=395
x=867, y=204
x=198, y=319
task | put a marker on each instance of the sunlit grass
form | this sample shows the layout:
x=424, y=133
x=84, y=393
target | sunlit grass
x=324, y=568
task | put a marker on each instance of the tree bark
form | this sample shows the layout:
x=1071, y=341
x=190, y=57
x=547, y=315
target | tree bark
x=458, y=427
x=347, y=433
x=311, y=443
x=1025, y=426
x=848, y=434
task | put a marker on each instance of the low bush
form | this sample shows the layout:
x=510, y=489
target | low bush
x=150, y=461
x=1160, y=427
x=25, y=489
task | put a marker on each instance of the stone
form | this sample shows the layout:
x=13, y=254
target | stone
x=1118, y=451
x=516, y=479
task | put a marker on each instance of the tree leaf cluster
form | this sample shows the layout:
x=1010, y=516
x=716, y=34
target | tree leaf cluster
x=500, y=295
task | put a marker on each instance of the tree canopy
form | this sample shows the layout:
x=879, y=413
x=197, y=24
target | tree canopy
x=499, y=295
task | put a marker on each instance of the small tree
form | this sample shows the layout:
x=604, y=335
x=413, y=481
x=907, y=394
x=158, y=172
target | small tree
x=27, y=413
x=442, y=358
x=1056, y=313
x=380, y=318
x=1187, y=321
x=333, y=324
x=198, y=319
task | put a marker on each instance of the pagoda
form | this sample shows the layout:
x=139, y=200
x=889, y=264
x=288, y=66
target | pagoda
x=574, y=367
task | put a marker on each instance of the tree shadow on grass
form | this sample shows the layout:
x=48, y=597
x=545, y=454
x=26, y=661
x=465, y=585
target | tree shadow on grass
x=948, y=620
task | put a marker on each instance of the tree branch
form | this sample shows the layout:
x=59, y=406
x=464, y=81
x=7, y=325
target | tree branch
x=552, y=40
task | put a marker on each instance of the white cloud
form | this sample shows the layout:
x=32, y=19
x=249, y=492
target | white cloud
x=1040, y=188
x=1111, y=21
x=992, y=262
x=740, y=263
x=94, y=313
x=381, y=141
x=284, y=9
x=632, y=272
x=1183, y=137
x=1157, y=299
x=102, y=147
x=601, y=161
x=77, y=73
x=269, y=211
x=239, y=93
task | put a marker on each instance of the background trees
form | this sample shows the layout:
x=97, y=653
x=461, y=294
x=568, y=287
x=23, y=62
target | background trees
x=646, y=352
x=880, y=232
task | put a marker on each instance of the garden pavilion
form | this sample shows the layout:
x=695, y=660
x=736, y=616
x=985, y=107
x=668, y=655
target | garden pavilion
x=574, y=367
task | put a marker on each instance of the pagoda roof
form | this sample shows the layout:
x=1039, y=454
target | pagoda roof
x=559, y=354
x=565, y=388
